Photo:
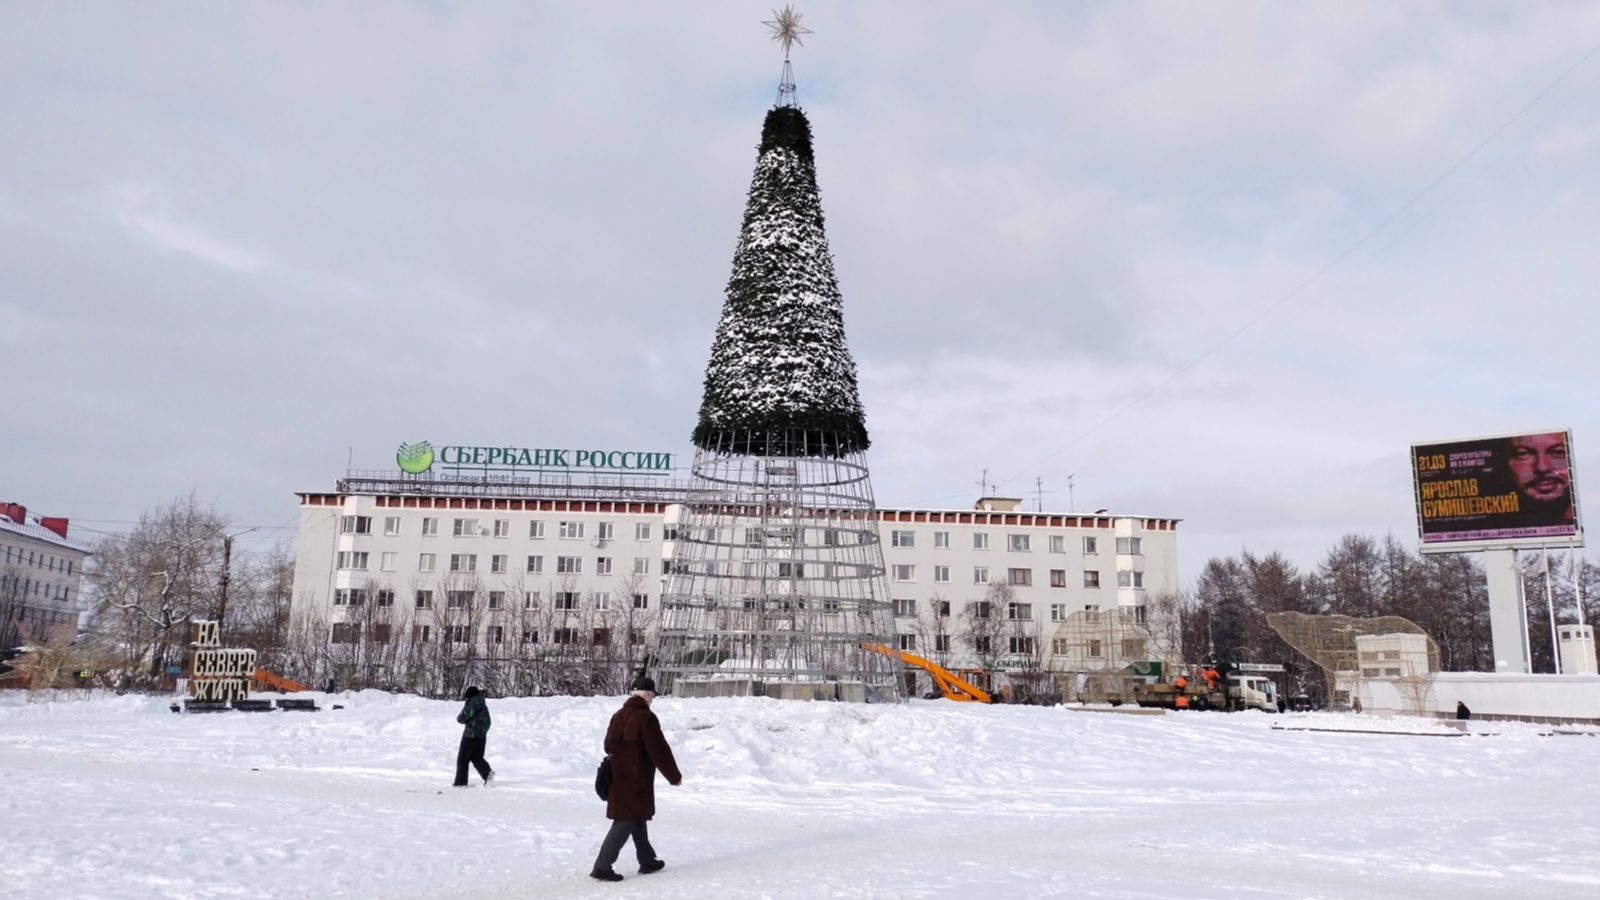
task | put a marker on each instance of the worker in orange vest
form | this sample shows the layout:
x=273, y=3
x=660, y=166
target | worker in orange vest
x=1181, y=683
x=1212, y=676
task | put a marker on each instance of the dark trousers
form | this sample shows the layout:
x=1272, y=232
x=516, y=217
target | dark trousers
x=471, y=752
x=621, y=830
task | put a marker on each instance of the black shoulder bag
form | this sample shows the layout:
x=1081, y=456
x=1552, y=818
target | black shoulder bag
x=602, y=779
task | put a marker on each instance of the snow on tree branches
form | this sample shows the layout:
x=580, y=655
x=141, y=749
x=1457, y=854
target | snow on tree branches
x=781, y=381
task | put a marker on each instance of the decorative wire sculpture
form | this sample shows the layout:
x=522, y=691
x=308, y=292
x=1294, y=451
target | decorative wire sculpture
x=777, y=580
x=1331, y=642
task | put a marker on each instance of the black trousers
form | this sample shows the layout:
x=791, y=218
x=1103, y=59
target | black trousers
x=621, y=830
x=471, y=752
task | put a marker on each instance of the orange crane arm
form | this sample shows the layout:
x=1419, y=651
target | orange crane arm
x=954, y=688
x=273, y=679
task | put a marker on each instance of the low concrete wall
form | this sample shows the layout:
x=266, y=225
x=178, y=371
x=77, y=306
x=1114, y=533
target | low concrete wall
x=1493, y=695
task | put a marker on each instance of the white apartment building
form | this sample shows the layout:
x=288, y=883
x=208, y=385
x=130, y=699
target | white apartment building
x=509, y=570
x=41, y=575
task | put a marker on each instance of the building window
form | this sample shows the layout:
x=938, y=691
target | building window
x=905, y=573
x=495, y=634
x=669, y=532
x=459, y=634
x=1058, y=612
x=980, y=575
x=502, y=528
x=1139, y=614
x=602, y=637
x=1058, y=578
x=391, y=525
x=349, y=597
x=1019, y=577
x=941, y=574
x=941, y=608
x=422, y=634
x=465, y=528
x=346, y=634
x=1091, y=613
x=384, y=598
x=350, y=560
x=499, y=564
x=602, y=565
x=941, y=540
x=608, y=531
x=1019, y=612
x=641, y=601
x=1022, y=646
x=536, y=529
x=641, y=531
x=1091, y=579
x=567, y=600
x=355, y=525
x=905, y=607
x=980, y=540
x=380, y=633
x=1091, y=545
x=641, y=565
x=463, y=562
x=1128, y=546
x=497, y=599
x=602, y=600
x=535, y=565
x=1060, y=646
x=1096, y=649
x=530, y=636
x=571, y=530
x=564, y=636
x=980, y=644
x=1058, y=543
x=530, y=599
x=902, y=538
x=1130, y=579
x=1020, y=543
x=430, y=527
x=424, y=599
x=458, y=599
x=908, y=642
x=427, y=562
x=941, y=643
x=388, y=561
x=569, y=565
x=1132, y=648
x=979, y=609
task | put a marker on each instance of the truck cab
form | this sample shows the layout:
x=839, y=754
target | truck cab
x=1252, y=692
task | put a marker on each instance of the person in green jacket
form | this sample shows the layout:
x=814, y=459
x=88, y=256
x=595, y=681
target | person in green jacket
x=475, y=716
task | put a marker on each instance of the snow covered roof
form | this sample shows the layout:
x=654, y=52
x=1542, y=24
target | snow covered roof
x=40, y=533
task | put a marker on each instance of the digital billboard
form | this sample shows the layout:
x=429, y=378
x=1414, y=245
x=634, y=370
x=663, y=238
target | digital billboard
x=1510, y=490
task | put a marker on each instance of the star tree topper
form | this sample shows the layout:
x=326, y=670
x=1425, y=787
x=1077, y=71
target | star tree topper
x=786, y=28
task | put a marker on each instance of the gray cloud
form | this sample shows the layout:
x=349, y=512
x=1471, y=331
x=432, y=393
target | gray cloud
x=242, y=242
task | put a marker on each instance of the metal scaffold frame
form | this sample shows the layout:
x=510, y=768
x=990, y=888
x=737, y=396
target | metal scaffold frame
x=776, y=585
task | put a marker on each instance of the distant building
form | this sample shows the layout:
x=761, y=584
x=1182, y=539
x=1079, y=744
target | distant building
x=41, y=574
x=391, y=567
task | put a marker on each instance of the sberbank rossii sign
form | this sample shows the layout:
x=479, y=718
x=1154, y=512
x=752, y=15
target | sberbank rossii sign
x=420, y=457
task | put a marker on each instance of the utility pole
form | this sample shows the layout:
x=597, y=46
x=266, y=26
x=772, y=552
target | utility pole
x=1072, y=502
x=227, y=575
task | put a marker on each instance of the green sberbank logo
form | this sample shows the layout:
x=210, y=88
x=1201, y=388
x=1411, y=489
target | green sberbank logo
x=414, y=459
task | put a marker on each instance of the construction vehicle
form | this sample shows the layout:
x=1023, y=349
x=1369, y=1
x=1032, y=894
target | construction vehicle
x=276, y=681
x=1236, y=691
x=953, y=686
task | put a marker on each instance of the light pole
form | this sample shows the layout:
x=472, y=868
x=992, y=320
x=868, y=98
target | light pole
x=227, y=575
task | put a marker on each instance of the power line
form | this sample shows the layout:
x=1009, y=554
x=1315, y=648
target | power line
x=1309, y=281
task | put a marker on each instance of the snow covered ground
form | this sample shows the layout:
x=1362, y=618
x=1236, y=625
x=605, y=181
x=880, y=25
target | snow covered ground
x=117, y=797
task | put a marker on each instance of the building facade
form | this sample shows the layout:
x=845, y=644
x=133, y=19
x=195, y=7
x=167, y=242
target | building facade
x=41, y=576
x=556, y=587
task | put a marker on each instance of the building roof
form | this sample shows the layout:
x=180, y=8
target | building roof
x=40, y=533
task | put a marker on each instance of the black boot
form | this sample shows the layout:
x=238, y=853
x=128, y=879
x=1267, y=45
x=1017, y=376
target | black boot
x=654, y=865
x=605, y=875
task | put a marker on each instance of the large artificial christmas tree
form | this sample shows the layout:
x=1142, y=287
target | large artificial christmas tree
x=776, y=583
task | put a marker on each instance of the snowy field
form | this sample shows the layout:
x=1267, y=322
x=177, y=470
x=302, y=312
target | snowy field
x=118, y=797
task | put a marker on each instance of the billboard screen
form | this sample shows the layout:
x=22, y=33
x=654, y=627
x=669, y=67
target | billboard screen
x=1513, y=490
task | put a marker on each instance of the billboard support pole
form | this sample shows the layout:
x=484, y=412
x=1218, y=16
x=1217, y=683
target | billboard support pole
x=1508, y=616
x=1550, y=605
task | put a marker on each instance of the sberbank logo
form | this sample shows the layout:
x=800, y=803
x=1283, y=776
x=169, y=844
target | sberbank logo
x=414, y=459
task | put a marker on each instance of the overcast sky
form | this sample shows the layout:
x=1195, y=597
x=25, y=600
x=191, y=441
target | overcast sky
x=245, y=243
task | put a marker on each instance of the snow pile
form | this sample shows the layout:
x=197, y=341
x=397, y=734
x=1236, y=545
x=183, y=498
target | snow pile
x=118, y=797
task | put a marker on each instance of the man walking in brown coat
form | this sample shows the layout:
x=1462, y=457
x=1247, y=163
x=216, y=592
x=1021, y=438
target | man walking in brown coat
x=637, y=749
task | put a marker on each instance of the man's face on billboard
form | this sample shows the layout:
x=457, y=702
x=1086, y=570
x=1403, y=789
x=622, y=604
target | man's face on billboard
x=1539, y=465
